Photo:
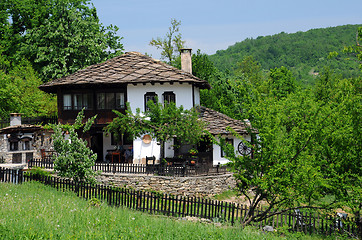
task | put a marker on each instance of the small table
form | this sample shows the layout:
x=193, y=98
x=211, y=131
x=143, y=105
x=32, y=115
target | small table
x=116, y=155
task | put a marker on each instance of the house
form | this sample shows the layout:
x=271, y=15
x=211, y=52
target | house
x=21, y=142
x=134, y=78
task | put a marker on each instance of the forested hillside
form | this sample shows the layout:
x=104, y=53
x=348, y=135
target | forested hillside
x=305, y=53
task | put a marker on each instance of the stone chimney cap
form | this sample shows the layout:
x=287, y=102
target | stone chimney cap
x=185, y=49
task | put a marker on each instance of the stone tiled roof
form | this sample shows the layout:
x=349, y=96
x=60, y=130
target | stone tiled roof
x=217, y=123
x=129, y=68
x=26, y=128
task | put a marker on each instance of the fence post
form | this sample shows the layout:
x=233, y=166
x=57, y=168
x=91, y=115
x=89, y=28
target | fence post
x=109, y=193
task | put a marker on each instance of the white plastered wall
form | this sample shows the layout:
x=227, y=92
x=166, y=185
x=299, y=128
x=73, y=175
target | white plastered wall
x=197, y=96
x=183, y=93
x=142, y=150
x=107, y=144
x=217, y=150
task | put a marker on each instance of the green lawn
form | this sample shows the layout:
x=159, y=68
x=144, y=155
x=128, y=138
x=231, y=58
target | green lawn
x=35, y=211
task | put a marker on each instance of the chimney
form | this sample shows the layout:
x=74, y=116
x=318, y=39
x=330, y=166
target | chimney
x=15, y=119
x=186, y=62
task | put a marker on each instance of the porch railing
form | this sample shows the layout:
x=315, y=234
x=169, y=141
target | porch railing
x=158, y=169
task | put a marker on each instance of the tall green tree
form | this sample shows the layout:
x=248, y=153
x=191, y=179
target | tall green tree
x=285, y=171
x=19, y=93
x=281, y=82
x=171, y=44
x=340, y=148
x=59, y=36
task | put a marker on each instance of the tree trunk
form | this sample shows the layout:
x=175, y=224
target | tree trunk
x=162, y=150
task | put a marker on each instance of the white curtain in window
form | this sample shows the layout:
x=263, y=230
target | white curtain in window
x=67, y=101
x=120, y=100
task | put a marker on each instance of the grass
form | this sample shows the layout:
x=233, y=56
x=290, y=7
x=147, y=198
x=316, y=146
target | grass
x=35, y=211
x=226, y=195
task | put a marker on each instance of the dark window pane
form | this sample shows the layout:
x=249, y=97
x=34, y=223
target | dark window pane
x=150, y=96
x=229, y=141
x=110, y=101
x=78, y=101
x=169, y=97
x=101, y=100
x=14, y=146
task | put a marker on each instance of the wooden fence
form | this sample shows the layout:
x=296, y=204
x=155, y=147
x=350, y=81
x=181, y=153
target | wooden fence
x=179, y=206
x=161, y=170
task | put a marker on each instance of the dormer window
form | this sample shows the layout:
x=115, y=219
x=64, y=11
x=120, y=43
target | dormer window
x=169, y=97
x=150, y=96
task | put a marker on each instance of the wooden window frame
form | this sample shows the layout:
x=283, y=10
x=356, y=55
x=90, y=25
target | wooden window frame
x=149, y=96
x=227, y=140
x=169, y=97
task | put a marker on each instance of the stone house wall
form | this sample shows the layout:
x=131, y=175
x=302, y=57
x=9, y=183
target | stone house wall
x=41, y=140
x=200, y=186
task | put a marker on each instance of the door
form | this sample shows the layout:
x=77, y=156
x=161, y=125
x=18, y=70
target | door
x=97, y=145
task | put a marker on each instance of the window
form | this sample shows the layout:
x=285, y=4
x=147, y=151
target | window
x=169, y=97
x=80, y=101
x=229, y=141
x=110, y=100
x=67, y=102
x=120, y=101
x=150, y=96
x=14, y=146
x=83, y=100
x=101, y=100
x=26, y=145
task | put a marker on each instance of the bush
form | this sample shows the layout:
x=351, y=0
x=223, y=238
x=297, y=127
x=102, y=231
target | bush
x=37, y=172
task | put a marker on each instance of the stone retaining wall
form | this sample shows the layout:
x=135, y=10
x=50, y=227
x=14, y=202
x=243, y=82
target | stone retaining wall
x=201, y=186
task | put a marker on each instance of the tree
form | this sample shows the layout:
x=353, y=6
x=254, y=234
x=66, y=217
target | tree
x=232, y=94
x=74, y=159
x=354, y=50
x=171, y=43
x=251, y=71
x=283, y=171
x=19, y=92
x=162, y=121
x=281, y=82
x=305, y=146
x=341, y=148
x=59, y=37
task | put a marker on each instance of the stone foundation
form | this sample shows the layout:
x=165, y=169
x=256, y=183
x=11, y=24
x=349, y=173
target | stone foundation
x=201, y=186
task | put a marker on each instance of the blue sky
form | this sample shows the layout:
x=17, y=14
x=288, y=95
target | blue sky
x=211, y=25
